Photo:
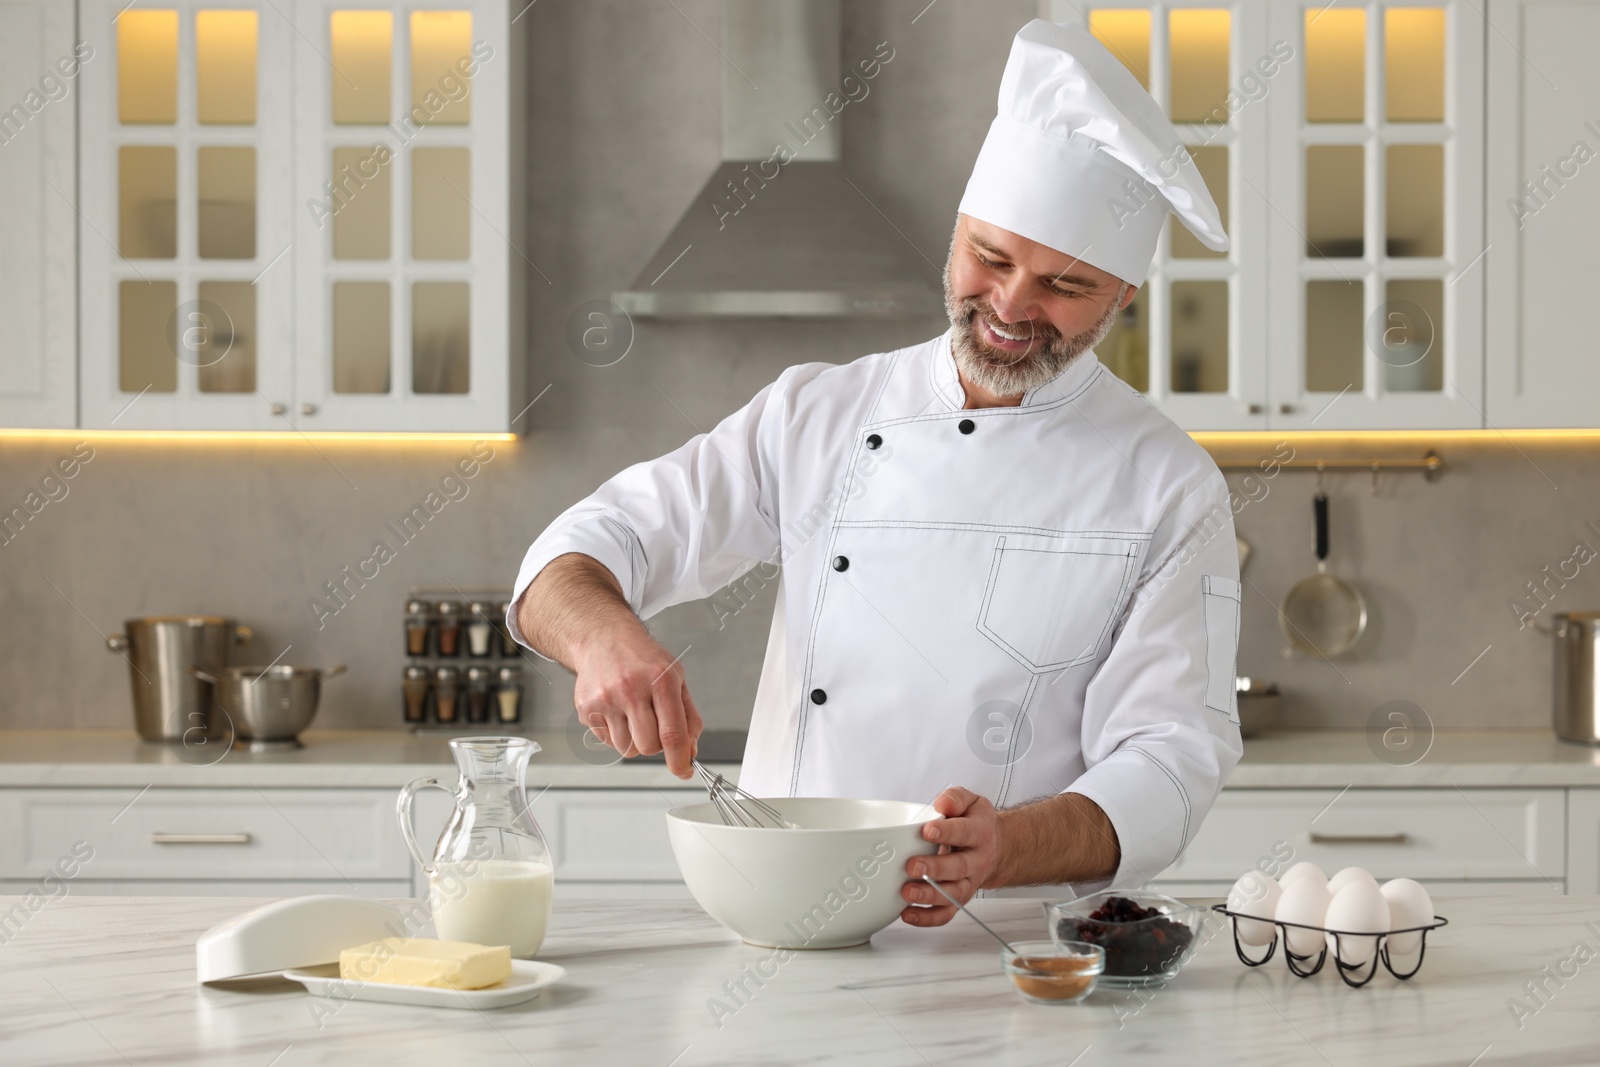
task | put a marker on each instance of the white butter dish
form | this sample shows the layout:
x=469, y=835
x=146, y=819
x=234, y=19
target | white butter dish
x=528, y=978
x=294, y=932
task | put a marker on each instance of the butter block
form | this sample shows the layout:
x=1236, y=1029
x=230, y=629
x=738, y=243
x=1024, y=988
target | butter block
x=421, y=961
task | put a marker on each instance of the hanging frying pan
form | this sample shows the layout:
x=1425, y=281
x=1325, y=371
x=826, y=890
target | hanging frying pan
x=1323, y=615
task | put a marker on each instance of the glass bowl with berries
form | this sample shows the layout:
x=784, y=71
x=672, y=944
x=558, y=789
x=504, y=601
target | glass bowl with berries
x=1147, y=937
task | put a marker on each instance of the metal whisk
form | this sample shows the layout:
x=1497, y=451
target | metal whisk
x=737, y=807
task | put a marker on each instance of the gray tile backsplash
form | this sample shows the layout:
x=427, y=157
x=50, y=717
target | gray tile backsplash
x=625, y=116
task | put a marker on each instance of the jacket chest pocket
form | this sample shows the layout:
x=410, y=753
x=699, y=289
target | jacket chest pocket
x=1052, y=602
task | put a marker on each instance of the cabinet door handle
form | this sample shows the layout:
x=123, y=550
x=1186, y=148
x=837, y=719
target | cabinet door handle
x=1255, y=409
x=159, y=838
x=1399, y=837
x=1285, y=409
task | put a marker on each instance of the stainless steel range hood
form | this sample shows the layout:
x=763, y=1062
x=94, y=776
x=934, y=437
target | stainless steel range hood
x=782, y=231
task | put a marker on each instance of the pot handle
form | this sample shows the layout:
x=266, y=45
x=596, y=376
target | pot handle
x=1558, y=630
x=117, y=643
x=204, y=676
x=243, y=635
x=329, y=672
x=407, y=829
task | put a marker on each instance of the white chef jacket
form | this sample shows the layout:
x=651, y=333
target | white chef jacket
x=1021, y=600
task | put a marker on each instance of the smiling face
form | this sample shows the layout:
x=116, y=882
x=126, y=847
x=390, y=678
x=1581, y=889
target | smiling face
x=1021, y=311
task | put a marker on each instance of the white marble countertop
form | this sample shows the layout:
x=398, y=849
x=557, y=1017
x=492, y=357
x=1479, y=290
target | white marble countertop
x=109, y=981
x=1311, y=759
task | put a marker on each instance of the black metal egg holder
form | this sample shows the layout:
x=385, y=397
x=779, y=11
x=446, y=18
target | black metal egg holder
x=1350, y=973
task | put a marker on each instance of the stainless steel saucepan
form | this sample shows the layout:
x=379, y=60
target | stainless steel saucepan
x=268, y=706
x=169, y=703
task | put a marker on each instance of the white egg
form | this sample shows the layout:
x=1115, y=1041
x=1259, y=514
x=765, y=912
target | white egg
x=1304, y=901
x=1256, y=893
x=1358, y=907
x=1347, y=875
x=1409, y=905
x=1303, y=869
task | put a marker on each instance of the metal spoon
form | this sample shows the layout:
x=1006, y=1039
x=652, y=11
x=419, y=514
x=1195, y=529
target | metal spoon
x=971, y=916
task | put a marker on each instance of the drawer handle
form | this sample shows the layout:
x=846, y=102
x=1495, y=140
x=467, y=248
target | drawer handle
x=199, y=839
x=1398, y=838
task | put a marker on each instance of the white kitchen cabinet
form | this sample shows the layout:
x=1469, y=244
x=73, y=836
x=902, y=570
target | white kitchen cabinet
x=41, y=68
x=408, y=260
x=1195, y=337
x=613, y=838
x=1351, y=182
x=1583, y=841
x=1436, y=887
x=1543, y=181
x=1446, y=835
x=240, y=267
x=194, y=887
x=1376, y=190
x=165, y=835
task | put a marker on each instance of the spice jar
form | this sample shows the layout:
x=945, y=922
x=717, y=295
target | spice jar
x=508, y=694
x=418, y=622
x=509, y=648
x=447, y=692
x=480, y=629
x=478, y=694
x=448, y=613
x=416, y=686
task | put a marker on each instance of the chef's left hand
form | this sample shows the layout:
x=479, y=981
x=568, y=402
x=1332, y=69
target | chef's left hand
x=969, y=852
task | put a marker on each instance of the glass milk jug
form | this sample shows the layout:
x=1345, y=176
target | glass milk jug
x=490, y=878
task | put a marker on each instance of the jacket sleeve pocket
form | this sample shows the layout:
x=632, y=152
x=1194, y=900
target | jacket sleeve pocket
x=1222, y=596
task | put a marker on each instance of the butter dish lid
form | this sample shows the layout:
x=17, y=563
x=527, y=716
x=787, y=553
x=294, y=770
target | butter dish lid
x=293, y=932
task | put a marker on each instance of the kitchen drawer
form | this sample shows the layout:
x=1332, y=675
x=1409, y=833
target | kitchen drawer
x=77, y=887
x=1437, y=888
x=161, y=834
x=1443, y=834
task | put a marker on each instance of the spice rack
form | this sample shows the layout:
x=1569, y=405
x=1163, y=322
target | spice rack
x=462, y=667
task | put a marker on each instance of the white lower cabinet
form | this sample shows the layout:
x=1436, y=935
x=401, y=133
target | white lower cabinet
x=1583, y=841
x=603, y=842
x=1497, y=840
x=612, y=843
x=90, y=887
x=191, y=836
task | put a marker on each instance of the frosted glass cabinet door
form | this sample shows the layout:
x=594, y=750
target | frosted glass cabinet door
x=1541, y=316
x=408, y=290
x=185, y=283
x=1194, y=338
x=1377, y=246
x=38, y=251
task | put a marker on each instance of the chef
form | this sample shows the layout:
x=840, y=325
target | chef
x=1009, y=585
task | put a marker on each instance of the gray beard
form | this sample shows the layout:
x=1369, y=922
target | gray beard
x=1000, y=372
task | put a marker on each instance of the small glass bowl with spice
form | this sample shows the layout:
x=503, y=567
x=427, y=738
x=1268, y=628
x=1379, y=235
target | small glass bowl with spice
x=1053, y=972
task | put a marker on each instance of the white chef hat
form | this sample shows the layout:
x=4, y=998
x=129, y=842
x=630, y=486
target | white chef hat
x=1081, y=159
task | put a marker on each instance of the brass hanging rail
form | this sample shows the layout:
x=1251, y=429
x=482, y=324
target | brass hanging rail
x=1431, y=464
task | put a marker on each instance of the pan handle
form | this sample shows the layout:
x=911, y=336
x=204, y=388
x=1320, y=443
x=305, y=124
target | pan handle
x=1558, y=630
x=1319, y=504
x=204, y=676
x=329, y=672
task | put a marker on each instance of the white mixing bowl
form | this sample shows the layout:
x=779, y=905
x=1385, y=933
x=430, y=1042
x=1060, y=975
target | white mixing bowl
x=832, y=883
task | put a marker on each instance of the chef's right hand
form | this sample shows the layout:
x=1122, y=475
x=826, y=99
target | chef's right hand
x=631, y=693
